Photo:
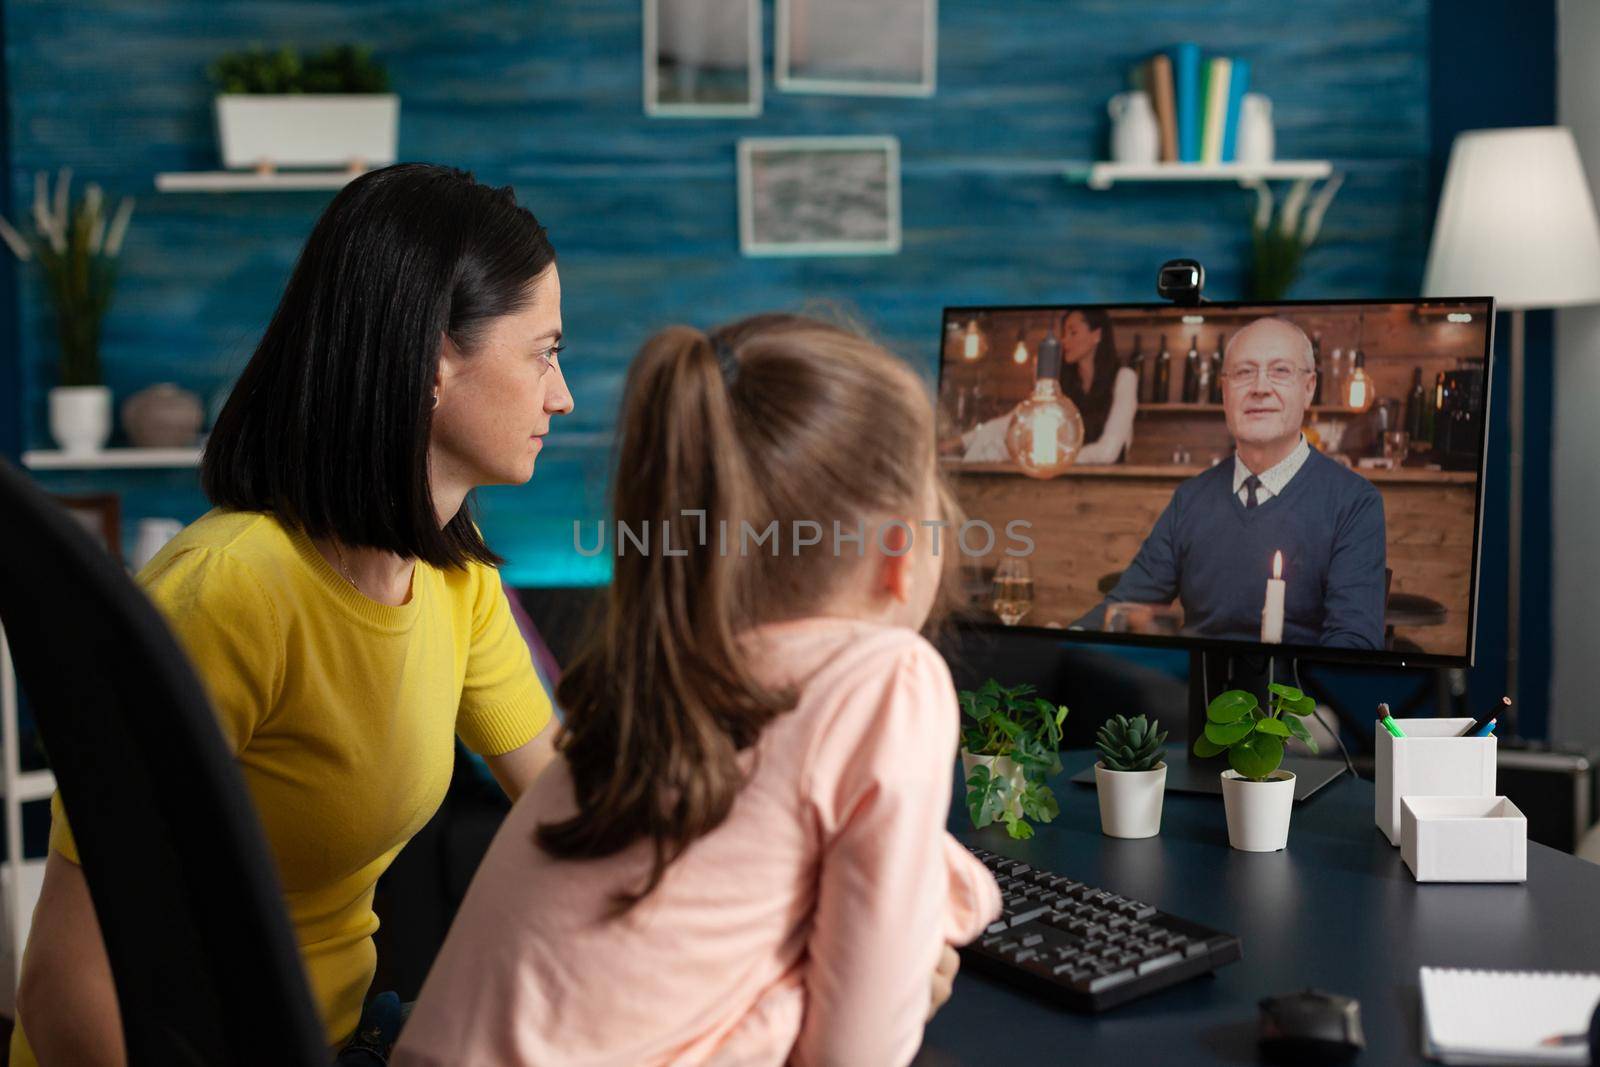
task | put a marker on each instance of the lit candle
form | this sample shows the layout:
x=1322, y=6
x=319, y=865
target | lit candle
x=1272, y=612
x=970, y=343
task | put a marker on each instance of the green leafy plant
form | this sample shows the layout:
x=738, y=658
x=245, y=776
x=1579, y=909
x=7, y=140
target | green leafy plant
x=1130, y=744
x=1252, y=736
x=77, y=247
x=1011, y=723
x=1278, y=246
x=341, y=69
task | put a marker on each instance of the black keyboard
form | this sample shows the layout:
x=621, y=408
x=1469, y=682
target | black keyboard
x=1085, y=947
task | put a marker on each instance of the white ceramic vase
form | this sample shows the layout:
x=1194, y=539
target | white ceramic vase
x=80, y=418
x=1258, y=812
x=1130, y=801
x=1135, y=136
x=1003, y=766
x=1255, y=138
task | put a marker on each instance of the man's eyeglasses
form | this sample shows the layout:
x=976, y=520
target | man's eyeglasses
x=1277, y=374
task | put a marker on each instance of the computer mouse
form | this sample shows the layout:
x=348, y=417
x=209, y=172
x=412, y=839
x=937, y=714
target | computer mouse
x=1310, y=1027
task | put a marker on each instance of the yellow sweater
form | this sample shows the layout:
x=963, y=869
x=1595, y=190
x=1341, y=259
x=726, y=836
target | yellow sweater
x=342, y=712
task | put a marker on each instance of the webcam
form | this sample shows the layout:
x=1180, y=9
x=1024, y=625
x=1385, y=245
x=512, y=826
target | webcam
x=1180, y=281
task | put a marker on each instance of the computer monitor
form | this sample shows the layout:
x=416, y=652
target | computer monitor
x=1302, y=479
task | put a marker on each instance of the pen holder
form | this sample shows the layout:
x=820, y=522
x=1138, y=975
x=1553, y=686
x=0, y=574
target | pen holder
x=1430, y=761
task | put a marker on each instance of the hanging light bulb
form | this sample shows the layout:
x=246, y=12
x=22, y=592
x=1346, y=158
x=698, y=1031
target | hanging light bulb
x=1019, y=355
x=974, y=345
x=1358, y=390
x=1046, y=430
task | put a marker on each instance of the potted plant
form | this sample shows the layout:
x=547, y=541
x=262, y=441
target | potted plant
x=1257, y=796
x=76, y=247
x=1010, y=741
x=331, y=109
x=1131, y=776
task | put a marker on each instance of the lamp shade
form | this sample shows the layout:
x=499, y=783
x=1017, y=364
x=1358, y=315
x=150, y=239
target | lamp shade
x=1516, y=222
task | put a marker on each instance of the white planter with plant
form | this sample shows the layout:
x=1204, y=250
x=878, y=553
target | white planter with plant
x=331, y=109
x=76, y=247
x=1010, y=746
x=1257, y=796
x=1131, y=776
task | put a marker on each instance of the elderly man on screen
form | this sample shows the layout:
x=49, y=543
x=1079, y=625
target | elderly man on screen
x=1213, y=546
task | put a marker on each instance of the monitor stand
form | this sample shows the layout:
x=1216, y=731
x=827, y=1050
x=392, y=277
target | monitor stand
x=1215, y=672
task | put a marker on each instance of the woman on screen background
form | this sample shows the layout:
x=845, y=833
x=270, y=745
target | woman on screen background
x=1093, y=378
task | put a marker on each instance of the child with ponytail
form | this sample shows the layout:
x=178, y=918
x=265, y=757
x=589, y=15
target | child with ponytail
x=740, y=857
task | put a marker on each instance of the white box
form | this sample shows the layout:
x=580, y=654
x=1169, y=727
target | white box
x=310, y=130
x=1430, y=761
x=1464, y=839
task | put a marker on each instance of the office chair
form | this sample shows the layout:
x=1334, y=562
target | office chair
x=204, y=958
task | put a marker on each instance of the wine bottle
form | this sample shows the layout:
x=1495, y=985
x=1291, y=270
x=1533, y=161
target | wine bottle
x=1138, y=363
x=1316, y=363
x=1415, y=403
x=1163, y=389
x=1216, y=369
x=1191, y=371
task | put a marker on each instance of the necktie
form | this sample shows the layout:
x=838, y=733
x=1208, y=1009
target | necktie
x=1251, y=484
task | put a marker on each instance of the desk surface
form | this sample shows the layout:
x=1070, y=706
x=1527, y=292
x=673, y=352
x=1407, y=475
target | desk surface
x=1337, y=910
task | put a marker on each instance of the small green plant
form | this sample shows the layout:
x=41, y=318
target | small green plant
x=341, y=69
x=1011, y=723
x=1253, y=737
x=1130, y=744
x=77, y=246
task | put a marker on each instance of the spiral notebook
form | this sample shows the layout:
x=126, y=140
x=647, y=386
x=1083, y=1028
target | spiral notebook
x=1484, y=1017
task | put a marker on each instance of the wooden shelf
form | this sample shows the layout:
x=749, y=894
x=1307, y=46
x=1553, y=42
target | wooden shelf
x=244, y=181
x=112, y=459
x=1105, y=175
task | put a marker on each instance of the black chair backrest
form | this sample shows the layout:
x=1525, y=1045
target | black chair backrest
x=202, y=951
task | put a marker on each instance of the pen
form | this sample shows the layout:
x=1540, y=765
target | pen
x=1477, y=725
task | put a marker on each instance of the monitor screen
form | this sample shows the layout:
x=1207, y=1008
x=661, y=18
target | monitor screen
x=1297, y=475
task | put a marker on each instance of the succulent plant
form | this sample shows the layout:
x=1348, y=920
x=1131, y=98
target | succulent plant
x=1130, y=744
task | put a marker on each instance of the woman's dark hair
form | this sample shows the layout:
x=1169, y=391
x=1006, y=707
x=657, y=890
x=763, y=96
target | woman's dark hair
x=1094, y=404
x=777, y=418
x=328, y=426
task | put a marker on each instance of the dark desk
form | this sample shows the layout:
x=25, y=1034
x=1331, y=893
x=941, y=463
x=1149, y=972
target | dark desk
x=1338, y=910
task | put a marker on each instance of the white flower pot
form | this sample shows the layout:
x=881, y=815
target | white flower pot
x=80, y=418
x=1003, y=766
x=308, y=130
x=1258, y=812
x=1130, y=801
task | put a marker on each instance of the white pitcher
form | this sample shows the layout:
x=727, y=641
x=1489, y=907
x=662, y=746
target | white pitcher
x=1135, y=137
x=1254, y=139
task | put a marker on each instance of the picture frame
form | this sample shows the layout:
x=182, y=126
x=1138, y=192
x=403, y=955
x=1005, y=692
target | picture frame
x=847, y=47
x=819, y=196
x=100, y=514
x=689, y=52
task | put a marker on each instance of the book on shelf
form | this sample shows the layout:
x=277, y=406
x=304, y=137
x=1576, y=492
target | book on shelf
x=1215, y=108
x=1160, y=80
x=1186, y=82
x=1238, y=85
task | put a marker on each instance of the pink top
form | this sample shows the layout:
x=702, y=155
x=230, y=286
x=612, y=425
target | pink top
x=803, y=930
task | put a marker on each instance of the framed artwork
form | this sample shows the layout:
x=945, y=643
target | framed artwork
x=881, y=48
x=819, y=196
x=702, y=58
x=101, y=515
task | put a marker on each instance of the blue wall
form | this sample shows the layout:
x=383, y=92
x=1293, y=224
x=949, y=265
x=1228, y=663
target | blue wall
x=547, y=97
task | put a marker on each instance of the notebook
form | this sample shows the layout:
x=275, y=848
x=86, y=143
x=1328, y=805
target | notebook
x=1483, y=1017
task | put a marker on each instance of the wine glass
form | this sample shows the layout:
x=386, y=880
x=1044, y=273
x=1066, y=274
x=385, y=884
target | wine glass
x=1013, y=590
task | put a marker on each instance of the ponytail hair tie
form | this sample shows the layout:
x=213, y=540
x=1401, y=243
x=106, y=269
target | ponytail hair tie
x=725, y=360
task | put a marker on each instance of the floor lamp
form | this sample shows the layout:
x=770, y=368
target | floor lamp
x=1516, y=222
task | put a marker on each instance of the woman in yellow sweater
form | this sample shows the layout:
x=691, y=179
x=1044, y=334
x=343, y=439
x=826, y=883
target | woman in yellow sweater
x=339, y=604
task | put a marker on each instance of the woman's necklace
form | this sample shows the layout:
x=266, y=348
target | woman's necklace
x=344, y=568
